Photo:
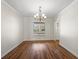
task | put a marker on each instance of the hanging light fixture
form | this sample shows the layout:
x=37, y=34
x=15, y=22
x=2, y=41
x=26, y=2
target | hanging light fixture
x=40, y=16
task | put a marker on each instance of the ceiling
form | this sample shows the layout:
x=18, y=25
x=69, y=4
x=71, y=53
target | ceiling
x=30, y=7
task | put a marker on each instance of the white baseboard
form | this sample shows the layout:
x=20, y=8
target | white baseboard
x=69, y=50
x=11, y=49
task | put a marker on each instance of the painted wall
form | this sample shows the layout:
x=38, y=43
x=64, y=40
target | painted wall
x=11, y=28
x=28, y=30
x=68, y=27
x=57, y=28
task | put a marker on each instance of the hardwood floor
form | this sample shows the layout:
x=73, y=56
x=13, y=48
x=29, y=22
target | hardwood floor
x=39, y=50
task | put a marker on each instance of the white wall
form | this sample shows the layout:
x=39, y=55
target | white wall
x=11, y=28
x=68, y=27
x=56, y=28
x=28, y=29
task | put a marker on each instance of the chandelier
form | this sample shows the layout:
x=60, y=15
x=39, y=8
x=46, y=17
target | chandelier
x=40, y=16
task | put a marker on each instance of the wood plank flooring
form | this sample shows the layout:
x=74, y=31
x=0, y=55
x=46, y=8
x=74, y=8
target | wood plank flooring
x=39, y=50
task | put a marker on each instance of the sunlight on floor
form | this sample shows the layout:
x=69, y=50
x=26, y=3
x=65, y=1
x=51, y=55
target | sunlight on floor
x=38, y=46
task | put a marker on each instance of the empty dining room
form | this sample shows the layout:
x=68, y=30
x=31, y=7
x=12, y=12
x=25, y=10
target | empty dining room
x=39, y=29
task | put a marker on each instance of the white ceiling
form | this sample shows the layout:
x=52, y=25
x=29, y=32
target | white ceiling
x=30, y=7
